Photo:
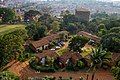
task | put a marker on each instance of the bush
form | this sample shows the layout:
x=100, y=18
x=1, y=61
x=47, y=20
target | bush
x=77, y=42
x=24, y=56
x=6, y=75
x=111, y=42
x=116, y=72
x=80, y=64
x=34, y=65
x=62, y=51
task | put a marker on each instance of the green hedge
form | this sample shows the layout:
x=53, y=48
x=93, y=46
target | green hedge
x=37, y=67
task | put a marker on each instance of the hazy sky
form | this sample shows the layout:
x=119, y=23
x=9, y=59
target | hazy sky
x=98, y=0
x=109, y=0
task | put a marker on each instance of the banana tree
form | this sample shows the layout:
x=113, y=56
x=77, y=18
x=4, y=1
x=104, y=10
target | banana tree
x=99, y=59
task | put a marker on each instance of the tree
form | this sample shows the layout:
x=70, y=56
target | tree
x=46, y=20
x=102, y=30
x=91, y=27
x=36, y=30
x=63, y=13
x=100, y=15
x=6, y=75
x=41, y=32
x=64, y=35
x=116, y=71
x=69, y=18
x=28, y=16
x=22, y=33
x=31, y=29
x=112, y=23
x=7, y=15
x=55, y=26
x=77, y=42
x=72, y=28
x=111, y=42
x=11, y=45
x=99, y=59
x=115, y=30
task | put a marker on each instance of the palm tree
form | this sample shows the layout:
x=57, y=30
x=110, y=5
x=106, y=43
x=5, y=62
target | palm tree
x=99, y=59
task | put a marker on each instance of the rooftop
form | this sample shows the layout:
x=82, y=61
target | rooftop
x=82, y=9
x=88, y=35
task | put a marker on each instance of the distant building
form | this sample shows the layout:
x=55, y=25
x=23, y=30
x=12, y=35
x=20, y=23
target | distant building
x=82, y=14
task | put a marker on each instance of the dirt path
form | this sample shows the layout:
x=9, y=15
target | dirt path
x=24, y=71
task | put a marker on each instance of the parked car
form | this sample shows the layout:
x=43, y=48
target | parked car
x=57, y=47
x=52, y=49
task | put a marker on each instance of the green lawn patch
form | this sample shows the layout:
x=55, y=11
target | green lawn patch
x=60, y=52
x=86, y=51
x=9, y=28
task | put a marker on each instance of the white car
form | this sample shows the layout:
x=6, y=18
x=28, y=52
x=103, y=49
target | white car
x=57, y=47
x=52, y=49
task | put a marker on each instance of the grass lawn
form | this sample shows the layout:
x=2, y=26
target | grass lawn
x=9, y=28
x=86, y=51
x=62, y=51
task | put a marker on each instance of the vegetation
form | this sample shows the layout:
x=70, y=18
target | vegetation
x=46, y=20
x=111, y=42
x=12, y=38
x=47, y=67
x=86, y=51
x=62, y=51
x=77, y=42
x=11, y=45
x=4, y=29
x=6, y=75
x=116, y=71
x=55, y=26
x=100, y=58
x=30, y=15
x=35, y=31
x=7, y=15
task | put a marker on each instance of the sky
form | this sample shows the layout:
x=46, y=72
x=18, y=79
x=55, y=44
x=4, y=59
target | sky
x=98, y=0
x=109, y=0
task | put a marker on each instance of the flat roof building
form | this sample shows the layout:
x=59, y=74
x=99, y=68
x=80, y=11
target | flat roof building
x=83, y=14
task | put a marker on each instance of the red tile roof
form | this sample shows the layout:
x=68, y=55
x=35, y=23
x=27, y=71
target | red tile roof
x=48, y=53
x=73, y=55
x=44, y=41
x=88, y=35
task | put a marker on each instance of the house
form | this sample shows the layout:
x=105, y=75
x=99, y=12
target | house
x=73, y=55
x=47, y=53
x=83, y=14
x=43, y=43
x=90, y=36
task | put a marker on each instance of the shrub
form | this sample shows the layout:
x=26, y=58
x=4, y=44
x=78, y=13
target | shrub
x=34, y=65
x=24, y=56
x=77, y=42
x=62, y=51
x=6, y=75
x=80, y=64
x=111, y=42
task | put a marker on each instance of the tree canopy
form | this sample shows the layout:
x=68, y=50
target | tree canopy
x=36, y=30
x=6, y=75
x=7, y=15
x=100, y=58
x=28, y=16
x=77, y=42
x=11, y=45
x=111, y=42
